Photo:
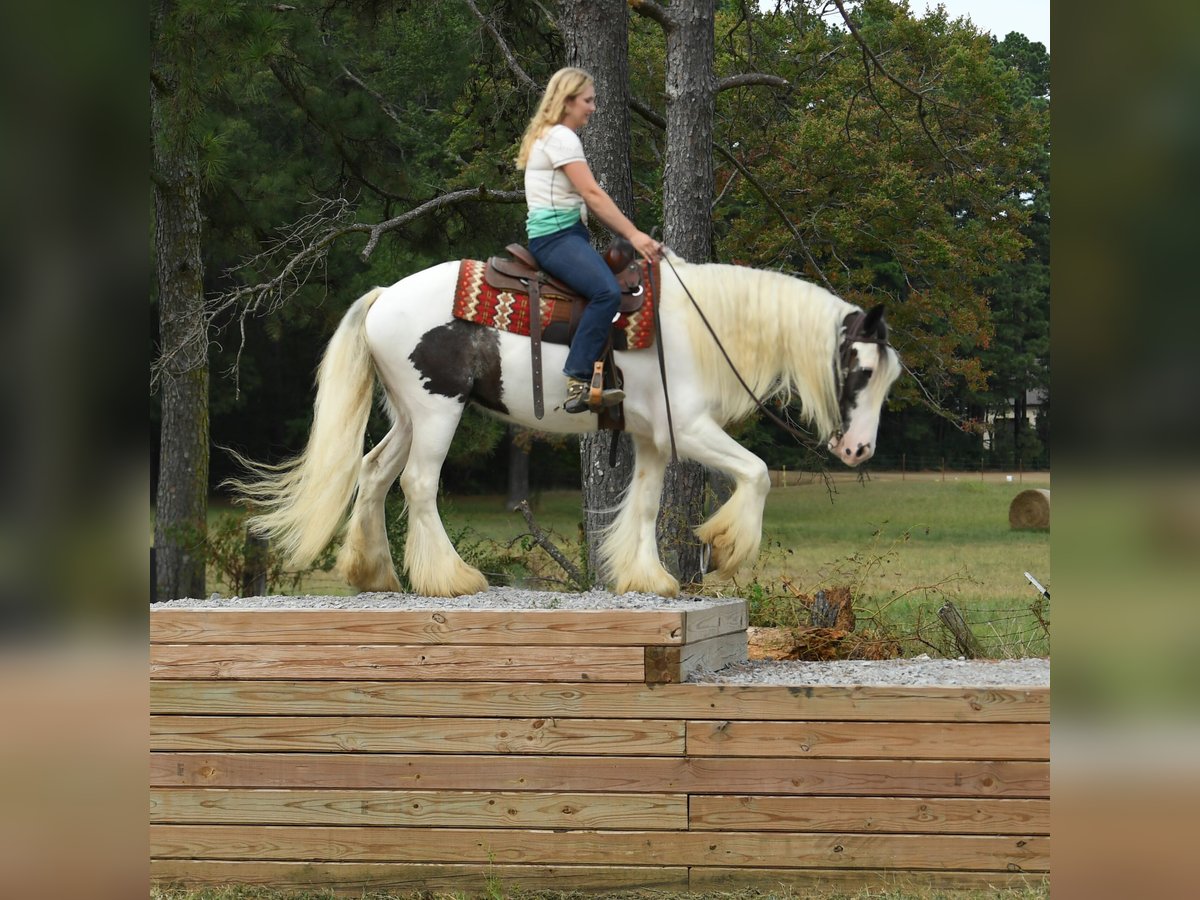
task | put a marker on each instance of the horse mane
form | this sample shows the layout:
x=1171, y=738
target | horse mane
x=780, y=332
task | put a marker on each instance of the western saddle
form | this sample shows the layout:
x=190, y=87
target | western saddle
x=521, y=275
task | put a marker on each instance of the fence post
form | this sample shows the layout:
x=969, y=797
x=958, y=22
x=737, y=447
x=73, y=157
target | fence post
x=902, y=462
x=968, y=645
x=943, y=468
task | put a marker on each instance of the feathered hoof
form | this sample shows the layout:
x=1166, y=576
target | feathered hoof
x=364, y=576
x=662, y=583
x=457, y=582
x=726, y=556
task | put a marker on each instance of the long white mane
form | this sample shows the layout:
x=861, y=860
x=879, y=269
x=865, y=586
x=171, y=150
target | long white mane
x=780, y=332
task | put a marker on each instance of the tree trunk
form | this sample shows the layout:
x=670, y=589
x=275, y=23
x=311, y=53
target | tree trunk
x=688, y=191
x=520, y=446
x=182, y=497
x=596, y=36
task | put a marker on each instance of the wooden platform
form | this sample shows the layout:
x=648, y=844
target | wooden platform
x=356, y=750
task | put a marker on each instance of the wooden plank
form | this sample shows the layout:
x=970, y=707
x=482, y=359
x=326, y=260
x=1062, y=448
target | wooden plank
x=405, y=879
x=890, y=882
x=706, y=622
x=869, y=814
x=463, y=809
x=903, y=740
x=653, y=848
x=543, y=627
x=378, y=734
x=713, y=653
x=618, y=701
x=406, y=663
x=618, y=774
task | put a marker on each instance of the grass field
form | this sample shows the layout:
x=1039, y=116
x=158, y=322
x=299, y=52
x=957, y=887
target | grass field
x=497, y=891
x=904, y=545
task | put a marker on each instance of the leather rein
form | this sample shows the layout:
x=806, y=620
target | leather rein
x=841, y=362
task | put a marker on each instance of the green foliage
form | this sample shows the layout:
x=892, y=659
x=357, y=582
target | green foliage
x=236, y=561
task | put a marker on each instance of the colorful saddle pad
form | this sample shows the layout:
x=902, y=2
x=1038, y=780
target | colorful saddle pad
x=477, y=301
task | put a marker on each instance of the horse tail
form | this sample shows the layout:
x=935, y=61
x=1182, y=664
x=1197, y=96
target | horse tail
x=300, y=503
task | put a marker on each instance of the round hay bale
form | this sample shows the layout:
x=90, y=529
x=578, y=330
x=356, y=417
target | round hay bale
x=1030, y=510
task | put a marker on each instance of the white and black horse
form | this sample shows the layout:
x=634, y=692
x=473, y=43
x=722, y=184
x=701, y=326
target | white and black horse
x=783, y=335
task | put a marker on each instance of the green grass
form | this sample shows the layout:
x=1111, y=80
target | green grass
x=904, y=547
x=1037, y=890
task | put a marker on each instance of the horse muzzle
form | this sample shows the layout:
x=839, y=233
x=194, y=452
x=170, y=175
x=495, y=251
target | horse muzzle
x=851, y=452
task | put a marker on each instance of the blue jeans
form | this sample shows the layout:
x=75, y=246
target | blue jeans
x=569, y=256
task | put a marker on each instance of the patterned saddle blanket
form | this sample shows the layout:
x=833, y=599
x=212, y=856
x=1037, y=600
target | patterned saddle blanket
x=507, y=309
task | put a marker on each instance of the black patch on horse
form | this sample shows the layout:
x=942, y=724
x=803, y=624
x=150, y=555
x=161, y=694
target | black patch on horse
x=461, y=360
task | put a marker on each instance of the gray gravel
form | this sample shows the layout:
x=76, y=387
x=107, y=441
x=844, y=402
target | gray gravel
x=920, y=670
x=494, y=598
x=916, y=671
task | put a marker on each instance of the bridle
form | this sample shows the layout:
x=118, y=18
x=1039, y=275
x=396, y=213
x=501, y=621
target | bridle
x=844, y=356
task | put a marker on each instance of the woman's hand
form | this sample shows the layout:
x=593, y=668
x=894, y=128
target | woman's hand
x=646, y=245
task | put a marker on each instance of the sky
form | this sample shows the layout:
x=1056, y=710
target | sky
x=1030, y=17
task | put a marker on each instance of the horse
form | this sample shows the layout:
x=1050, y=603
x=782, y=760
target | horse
x=784, y=336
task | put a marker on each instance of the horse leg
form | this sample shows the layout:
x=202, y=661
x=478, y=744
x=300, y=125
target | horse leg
x=433, y=565
x=735, y=530
x=629, y=548
x=365, y=560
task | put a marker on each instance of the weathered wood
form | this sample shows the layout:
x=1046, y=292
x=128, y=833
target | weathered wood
x=869, y=814
x=653, y=848
x=727, y=618
x=905, y=740
x=401, y=662
x=463, y=809
x=553, y=627
x=890, y=881
x=353, y=879
x=373, y=734
x=712, y=653
x=714, y=775
x=968, y=645
x=620, y=701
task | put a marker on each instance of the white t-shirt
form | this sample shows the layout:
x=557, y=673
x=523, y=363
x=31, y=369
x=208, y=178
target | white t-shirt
x=554, y=204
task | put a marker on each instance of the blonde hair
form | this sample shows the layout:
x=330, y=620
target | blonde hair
x=563, y=86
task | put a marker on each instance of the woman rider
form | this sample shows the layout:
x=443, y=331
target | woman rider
x=560, y=190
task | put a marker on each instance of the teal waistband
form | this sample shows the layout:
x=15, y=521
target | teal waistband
x=541, y=222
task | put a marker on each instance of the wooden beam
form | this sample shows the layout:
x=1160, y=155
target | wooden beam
x=378, y=734
x=646, y=848
x=462, y=809
x=548, y=627
x=401, y=662
x=902, y=815
x=618, y=774
x=618, y=701
x=896, y=740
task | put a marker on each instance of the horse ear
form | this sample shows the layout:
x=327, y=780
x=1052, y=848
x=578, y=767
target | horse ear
x=873, y=323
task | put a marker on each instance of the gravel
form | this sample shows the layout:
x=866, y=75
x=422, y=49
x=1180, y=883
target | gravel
x=921, y=670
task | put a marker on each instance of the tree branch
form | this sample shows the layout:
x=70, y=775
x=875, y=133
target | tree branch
x=733, y=81
x=543, y=541
x=480, y=193
x=521, y=74
x=652, y=10
x=919, y=95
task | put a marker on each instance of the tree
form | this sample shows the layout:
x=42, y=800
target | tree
x=596, y=39
x=182, y=498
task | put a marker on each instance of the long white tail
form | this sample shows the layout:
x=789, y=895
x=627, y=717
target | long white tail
x=299, y=504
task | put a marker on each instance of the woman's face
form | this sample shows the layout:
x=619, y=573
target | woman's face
x=579, y=108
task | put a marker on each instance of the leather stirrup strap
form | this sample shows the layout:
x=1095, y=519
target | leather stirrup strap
x=596, y=392
x=535, y=345
x=662, y=368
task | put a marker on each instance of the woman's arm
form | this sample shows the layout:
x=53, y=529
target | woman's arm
x=598, y=202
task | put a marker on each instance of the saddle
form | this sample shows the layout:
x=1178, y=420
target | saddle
x=521, y=275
